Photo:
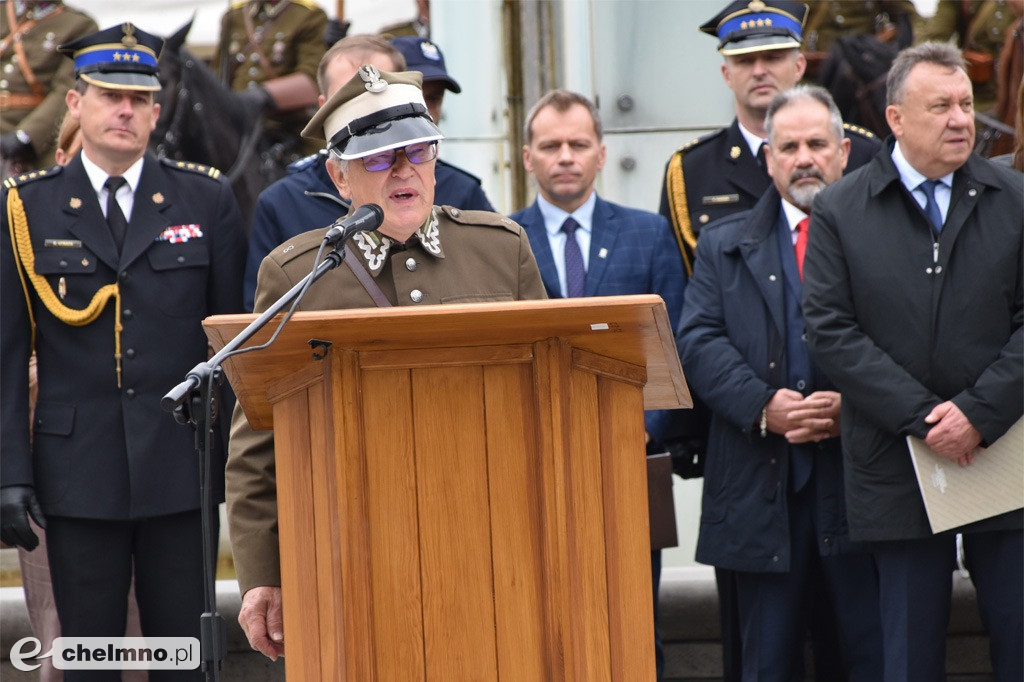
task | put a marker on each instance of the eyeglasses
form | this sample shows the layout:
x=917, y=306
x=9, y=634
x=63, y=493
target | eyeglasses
x=421, y=152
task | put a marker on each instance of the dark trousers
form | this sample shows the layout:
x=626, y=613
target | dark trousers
x=91, y=562
x=775, y=608
x=914, y=581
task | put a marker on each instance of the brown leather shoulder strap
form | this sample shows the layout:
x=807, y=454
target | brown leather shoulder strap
x=365, y=279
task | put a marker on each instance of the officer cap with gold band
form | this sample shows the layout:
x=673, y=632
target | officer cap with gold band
x=375, y=111
x=119, y=58
x=754, y=26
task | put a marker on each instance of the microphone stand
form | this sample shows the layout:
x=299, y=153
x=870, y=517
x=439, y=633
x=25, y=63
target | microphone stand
x=192, y=402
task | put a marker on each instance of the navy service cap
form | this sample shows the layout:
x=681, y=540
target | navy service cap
x=756, y=25
x=375, y=111
x=120, y=58
x=426, y=57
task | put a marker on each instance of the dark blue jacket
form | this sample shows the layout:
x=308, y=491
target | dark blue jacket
x=631, y=252
x=732, y=340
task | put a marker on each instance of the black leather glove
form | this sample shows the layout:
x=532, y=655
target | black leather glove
x=256, y=98
x=16, y=503
x=13, y=149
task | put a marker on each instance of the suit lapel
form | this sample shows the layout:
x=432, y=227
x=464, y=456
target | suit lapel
x=533, y=223
x=604, y=231
x=88, y=224
x=152, y=198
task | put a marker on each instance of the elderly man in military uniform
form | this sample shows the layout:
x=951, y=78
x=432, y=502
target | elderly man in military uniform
x=269, y=50
x=34, y=78
x=107, y=268
x=383, y=147
x=724, y=172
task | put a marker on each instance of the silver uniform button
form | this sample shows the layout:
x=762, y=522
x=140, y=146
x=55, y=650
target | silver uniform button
x=416, y=295
x=455, y=213
x=410, y=264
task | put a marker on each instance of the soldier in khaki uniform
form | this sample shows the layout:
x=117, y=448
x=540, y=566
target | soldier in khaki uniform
x=979, y=27
x=383, y=150
x=270, y=50
x=34, y=78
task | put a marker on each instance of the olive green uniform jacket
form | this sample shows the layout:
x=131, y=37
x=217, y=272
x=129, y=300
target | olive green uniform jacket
x=52, y=70
x=289, y=39
x=457, y=257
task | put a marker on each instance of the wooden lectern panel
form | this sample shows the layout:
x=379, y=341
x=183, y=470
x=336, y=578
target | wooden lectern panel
x=465, y=512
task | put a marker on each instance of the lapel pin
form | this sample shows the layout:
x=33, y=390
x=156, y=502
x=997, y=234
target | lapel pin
x=158, y=198
x=62, y=288
x=75, y=203
x=734, y=153
x=603, y=253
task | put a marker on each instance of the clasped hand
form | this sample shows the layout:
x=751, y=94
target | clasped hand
x=804, y=420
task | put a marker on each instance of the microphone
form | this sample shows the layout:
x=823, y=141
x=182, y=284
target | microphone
x=367, y=217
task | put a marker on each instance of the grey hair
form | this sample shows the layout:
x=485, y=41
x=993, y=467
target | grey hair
x=561, y=100
x=940, y=54
x=804, y=92
x=334, y=157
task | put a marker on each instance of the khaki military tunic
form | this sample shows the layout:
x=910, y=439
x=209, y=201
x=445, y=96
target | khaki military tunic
x=457, y=257
x=54, y=25
x=987, y=24
x=288, y=38
x=830, y=20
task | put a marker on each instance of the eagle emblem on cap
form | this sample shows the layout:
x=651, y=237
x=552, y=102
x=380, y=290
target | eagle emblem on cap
x=755, y=6
x=129, y=40
x=371, y=78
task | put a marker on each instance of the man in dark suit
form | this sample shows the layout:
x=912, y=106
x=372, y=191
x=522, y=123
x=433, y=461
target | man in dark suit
x=115, y=260
x=772, y=508
x=584, y=245
x=914, y=305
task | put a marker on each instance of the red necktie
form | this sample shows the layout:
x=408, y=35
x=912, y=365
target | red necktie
x=801, y=245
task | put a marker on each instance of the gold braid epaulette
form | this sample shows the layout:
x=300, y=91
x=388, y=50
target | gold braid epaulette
x=676, y=189
x=21, y=242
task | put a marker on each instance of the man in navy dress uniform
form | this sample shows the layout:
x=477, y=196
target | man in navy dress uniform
x=108, y=267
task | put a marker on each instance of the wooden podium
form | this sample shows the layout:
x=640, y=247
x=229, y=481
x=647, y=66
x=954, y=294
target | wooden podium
x=462, y=489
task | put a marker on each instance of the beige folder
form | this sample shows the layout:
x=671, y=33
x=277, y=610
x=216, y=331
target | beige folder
x=955, y=496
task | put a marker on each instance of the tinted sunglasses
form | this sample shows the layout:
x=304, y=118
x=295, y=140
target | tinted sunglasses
x=421, y=152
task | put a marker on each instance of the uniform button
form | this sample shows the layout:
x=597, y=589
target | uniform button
x=410, y=264
x=774, y=460
x=973, y=192
x=130, y=353
x=771, y=365
x=938, y=269
x=123, y=276
x=928, y=270
x=4, y=85
x=775, y=558
x=253, y=71
x=8, y=68
x=130, y=393
x=803, y=337
x=240, y=58
x=801, y=385
x=704, y=218
x=63, y=263
x=181, y=259
x=771, y=278
x=828, y=540
x=455, y=213
x=127, y=314
x=416, y=295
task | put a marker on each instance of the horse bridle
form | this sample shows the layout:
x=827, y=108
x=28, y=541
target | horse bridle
x=168, y=141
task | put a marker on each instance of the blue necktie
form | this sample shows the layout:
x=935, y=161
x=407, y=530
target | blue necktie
x=931, y=207
x=575, y=271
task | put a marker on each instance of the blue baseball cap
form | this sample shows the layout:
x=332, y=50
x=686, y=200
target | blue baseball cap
x=425, y=56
